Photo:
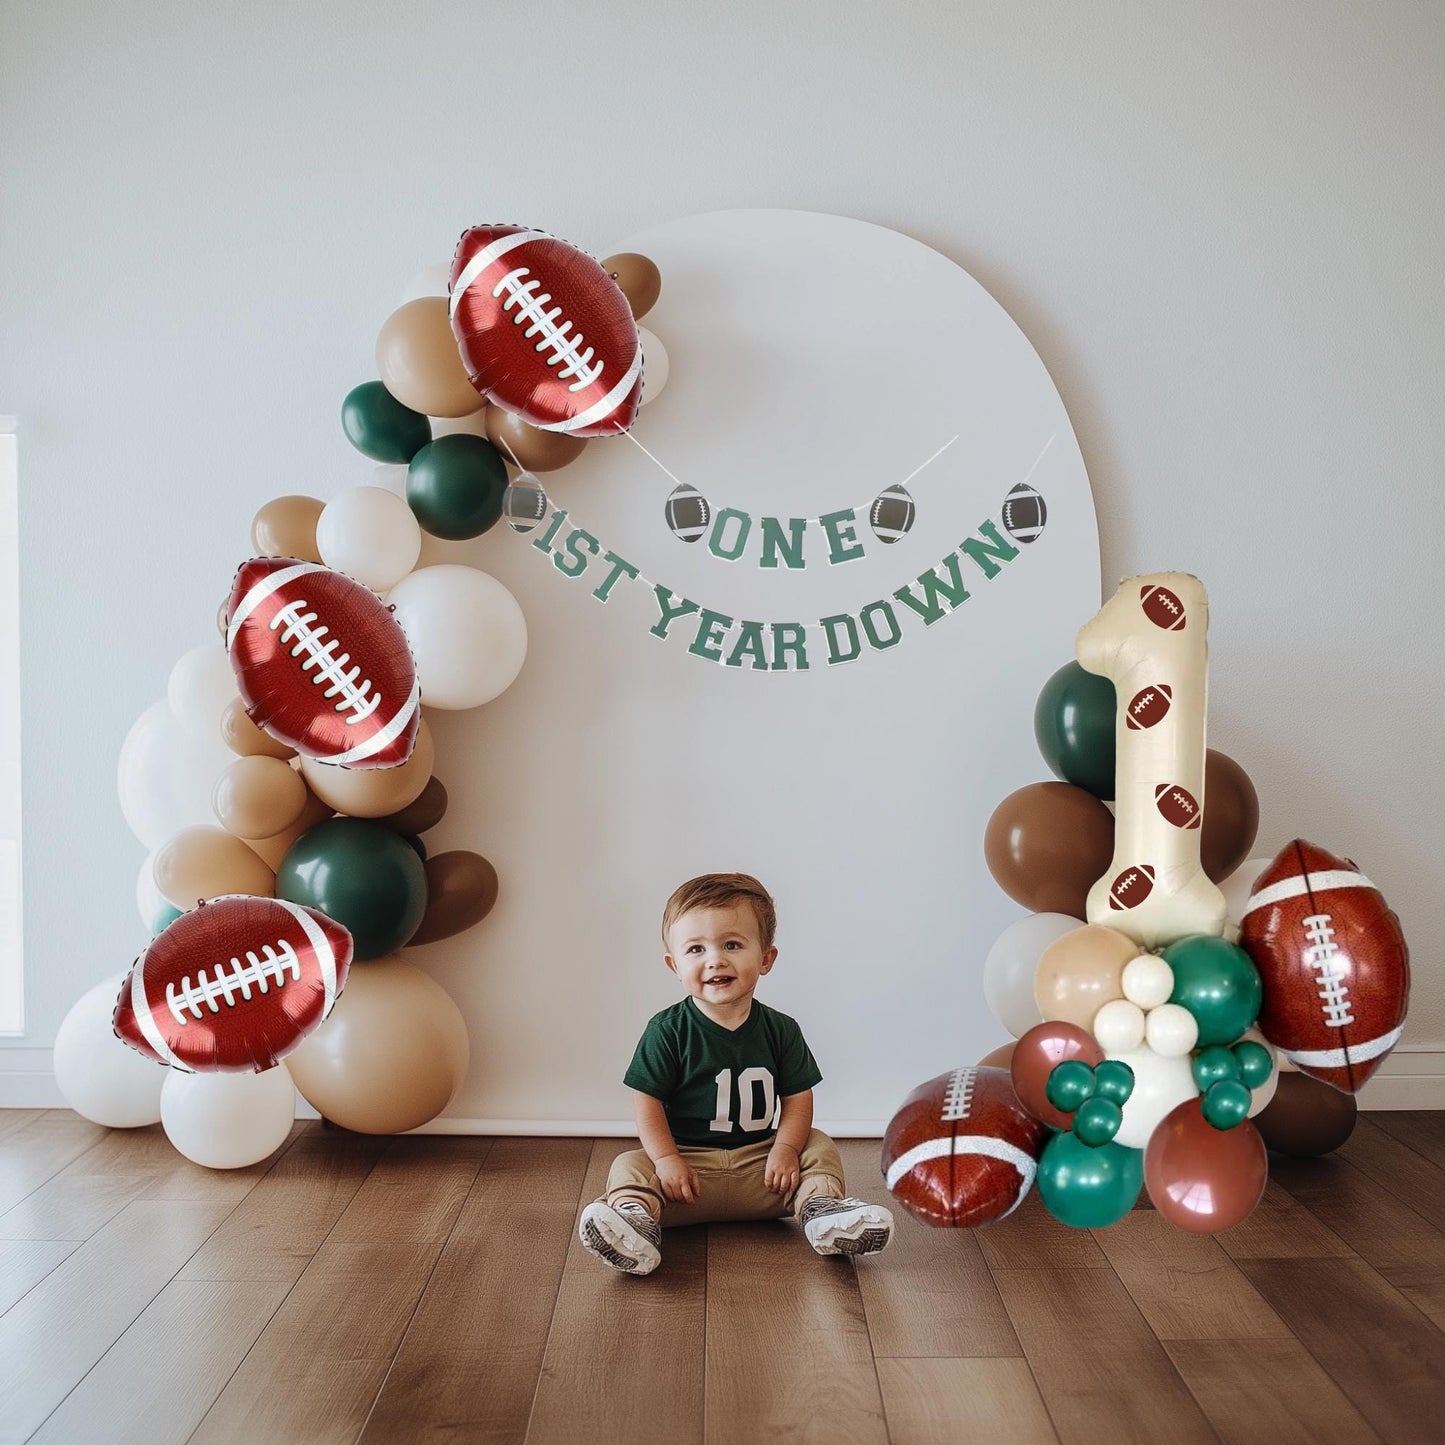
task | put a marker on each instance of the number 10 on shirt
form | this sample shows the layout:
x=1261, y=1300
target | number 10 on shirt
x=747, y=1095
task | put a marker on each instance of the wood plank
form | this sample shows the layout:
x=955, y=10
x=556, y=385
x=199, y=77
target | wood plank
x=1273, y=1390
x=41, y=1148
x=1102, y=1374
x=1422, y=1130
x=25, y=1262
x=1185, y=1285
x=624, y=1358
x=52, y=1337
x=13, y=1120
x=930, y=1293
x=1370, y=1341
x=1406, y=1173
x=1281, y=1228
x=941, y=1402
x=487, y=1310
x=1031, y=1238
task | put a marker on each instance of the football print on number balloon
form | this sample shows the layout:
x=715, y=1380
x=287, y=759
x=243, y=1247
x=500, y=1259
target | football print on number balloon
x=545, y=332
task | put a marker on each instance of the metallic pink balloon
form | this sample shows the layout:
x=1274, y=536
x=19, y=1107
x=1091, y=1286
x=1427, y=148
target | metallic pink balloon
x=1201, y=1178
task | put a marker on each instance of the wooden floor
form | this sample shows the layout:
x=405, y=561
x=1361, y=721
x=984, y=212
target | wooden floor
x=433, y=1289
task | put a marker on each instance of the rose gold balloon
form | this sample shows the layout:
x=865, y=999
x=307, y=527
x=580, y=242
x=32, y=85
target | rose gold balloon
x=1081, y=972
x=258, y=797
x=416, y=818
x=242, y=736
x=1231, y=816
x=461, y=890
x=206, y=862
x=638, y=279
x=418, y=361
x=373, y=792
x=1035, y=1057
x=1201, y=1178
x=273, y=849
x=529, y=447
x=1000, y=1057
x=391, y=1055
x=286, y=527
x=1046, y=844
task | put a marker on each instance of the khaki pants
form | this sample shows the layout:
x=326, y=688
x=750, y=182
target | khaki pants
x=732, y=1183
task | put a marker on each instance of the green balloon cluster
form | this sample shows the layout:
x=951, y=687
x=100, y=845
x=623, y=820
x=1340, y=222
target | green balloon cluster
x=1094, y=1094
x=1218, y=983
x=1226, y=1077
x=380, y=427
x=1089, y=1186
x=1074, y=728
x=455, y=486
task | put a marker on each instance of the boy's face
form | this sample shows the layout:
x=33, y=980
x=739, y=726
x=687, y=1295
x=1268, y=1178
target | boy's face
x=717, y=953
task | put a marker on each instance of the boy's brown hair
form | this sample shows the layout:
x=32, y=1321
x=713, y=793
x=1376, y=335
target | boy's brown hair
x=719, y=890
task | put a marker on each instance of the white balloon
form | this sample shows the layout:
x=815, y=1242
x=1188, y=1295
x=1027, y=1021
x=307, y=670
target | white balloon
x=227, y=1121
x=390, y=478
x=166, y=773
x=1161, y=1083
x=1259, y=1098
x=655, y=365
x=201, y=685
x=429, y=281
x=102, y=1079
x=1147, y=981
x=1119, y=1026
x=474, y=425
x=467, y=634
x=370, y=534
x=1008, y=971
x=154, y=908
x=1171, y=1029
x=1240, y=884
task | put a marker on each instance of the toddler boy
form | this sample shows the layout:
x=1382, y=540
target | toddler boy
x=723, y=1099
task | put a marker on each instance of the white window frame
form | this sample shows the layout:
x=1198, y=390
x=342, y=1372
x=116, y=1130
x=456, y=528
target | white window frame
x=12, y=979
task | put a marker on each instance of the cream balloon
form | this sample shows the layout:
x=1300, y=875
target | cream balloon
x=101, y=1078
x=200, y=687
x=1148, y=981
x=1161, y=1083
x=1008, y=971
x=228, y=1121
x=1150, y=641
x=154, y=908
x=374, y=792
x=1080, y=972
x=205, y=861
x=370, y=535
x=165, y=775
x=1171, y=1030
x=655, y=366
x=1119, y=1026
x=429, y=281
x=1240, y=884
x=467, y=634
x=390, y=477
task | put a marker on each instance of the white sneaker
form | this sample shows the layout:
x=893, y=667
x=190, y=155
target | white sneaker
x=846, y=1226
x=626, y=1238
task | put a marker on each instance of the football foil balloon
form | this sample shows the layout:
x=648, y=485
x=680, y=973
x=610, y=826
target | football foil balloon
x=1334, y=965
x=234, y=985
x=321, y=664
x=545, y=332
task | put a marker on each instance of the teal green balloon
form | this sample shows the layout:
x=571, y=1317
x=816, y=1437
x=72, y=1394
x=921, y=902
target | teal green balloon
x=380, y=427
x=1069, y=1084
x=1226, y=1103
x=1089, y=1188
x=455, y=486
x=1218, y=983
x=1098, y=1120
x=361, y=874
x=1074, y=728
x=164, y=916
x=1213, y=1064
x=1113, y=1080
x=1255, y=1062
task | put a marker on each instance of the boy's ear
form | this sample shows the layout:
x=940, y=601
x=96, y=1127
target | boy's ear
x=769, y=958
x=667, y=959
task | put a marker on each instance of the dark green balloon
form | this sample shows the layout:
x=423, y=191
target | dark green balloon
x=414, y=842
x=1098, y=1120
x=1069, y=1084
x=1213, y=1064
x=1089, y=1188
x=361, y=874
x=1113, y=1080
x=1218, y=983
x=1255, y=1062
x=455, y=486
x=1074, y=728
x=1226, y=1103
x=380, y=427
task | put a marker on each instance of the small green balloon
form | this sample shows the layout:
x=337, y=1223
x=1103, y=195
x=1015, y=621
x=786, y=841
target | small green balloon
x=1113, y=1079
x=1074, y=728
x=363, y=875
x=1097, y=1121
x=380, y=427
x=1089, y=1188
x=1069, y=1085
x=1255, y=1062
x=1226, y=1103
x=1218, y=983
x=1213, y=1064
x=455, y=486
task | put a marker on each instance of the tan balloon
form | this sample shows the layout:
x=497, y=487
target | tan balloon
x=206, y=862
x=273, y=849
x=418, y=361
x=1081, y=972
x=390, y=1057
x=242, y=736
x=258, y=797
x=286, y=527
x=428, y=810
x=373, y=792
x=529, y=447
x=999, y=1058
x=461, y=890
x=638, y=278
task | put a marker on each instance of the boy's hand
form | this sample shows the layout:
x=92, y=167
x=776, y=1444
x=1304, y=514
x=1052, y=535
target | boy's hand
x=781, y=1174
x=678, y=1179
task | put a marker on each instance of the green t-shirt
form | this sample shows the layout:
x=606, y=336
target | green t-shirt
x=720, y=1087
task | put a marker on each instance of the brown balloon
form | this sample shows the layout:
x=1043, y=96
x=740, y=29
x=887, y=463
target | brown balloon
x=426, y=812
x=207, y=862
x=390, y=1057
x=529, y=447
x=1037, y=1054
x=1306, y=1118
x=1201, y=1178
x=638, y=279
x=286, y=527
x=1046, y=844
x=1000, y=1057
x=273, y=849
x=257, y=797
x=418, y=361
x=373, y=792
x=1231, y=816
x=461, y=890
x=242, y=736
